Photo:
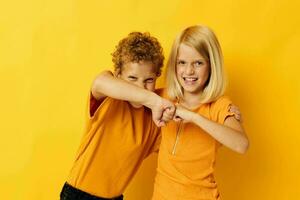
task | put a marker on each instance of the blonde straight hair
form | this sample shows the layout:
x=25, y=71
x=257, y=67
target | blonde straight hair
x=206, y=43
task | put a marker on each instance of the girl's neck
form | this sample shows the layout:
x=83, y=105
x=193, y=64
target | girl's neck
x=191, y=101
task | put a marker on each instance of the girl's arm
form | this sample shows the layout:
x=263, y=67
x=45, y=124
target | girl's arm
x=231, y=134
x=106, y=84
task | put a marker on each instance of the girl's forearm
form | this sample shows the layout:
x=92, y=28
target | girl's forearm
x=233, y=139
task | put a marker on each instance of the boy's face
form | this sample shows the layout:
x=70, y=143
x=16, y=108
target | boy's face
x=142, y=74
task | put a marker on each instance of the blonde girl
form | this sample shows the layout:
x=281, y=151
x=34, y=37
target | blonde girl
x=203, y=121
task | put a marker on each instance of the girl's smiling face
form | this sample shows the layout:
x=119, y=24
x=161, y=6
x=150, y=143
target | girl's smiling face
x=192, y=69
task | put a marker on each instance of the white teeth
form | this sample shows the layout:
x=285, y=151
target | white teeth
x=190, y=79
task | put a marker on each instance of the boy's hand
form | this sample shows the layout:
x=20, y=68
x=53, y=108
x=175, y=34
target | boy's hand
x=163, y=112
x=168, y=114
x=238, y=115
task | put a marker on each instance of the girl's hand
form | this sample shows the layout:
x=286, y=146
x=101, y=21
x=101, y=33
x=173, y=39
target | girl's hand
x=183, y=114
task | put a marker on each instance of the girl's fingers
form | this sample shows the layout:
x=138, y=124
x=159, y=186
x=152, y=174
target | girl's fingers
x=177, y=118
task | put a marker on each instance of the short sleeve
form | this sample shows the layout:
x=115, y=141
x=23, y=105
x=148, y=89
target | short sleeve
x=220, y=109
x=156, y=143
x=94, y=104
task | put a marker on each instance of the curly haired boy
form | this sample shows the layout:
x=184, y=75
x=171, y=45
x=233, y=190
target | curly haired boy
x=123, y=122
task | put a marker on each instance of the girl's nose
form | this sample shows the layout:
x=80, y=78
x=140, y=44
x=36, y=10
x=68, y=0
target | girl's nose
x=189, y=69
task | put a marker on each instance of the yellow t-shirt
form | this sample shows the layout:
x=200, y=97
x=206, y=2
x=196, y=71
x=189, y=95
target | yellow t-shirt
x=186, y=158
x=117, y=139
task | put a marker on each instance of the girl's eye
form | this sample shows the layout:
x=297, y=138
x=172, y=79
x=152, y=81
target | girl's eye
x=198, y=63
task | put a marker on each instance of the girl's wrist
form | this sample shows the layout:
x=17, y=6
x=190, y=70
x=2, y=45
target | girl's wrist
x=192, y=116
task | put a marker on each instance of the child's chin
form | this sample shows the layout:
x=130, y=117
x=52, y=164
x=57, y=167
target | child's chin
x=136, y=105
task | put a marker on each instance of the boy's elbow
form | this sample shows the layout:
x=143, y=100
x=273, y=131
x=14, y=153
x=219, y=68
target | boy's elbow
x=97, y=85
x=100, y=78
x=106, y=73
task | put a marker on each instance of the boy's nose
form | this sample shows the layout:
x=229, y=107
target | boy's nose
x=141, y=85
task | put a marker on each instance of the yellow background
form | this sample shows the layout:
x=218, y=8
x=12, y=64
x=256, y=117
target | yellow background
x=50, y=50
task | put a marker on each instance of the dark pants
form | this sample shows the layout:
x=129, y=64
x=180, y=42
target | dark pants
x=70, y=193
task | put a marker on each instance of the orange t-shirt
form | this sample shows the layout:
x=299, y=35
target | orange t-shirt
x=186, y=158
x=117, y=139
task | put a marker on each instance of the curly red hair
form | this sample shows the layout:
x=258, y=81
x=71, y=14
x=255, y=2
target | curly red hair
x=137, y=47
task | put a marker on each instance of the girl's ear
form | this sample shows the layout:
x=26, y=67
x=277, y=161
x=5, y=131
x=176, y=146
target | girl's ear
x=117, y=72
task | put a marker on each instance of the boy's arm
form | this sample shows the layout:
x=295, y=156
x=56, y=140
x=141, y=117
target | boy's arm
x=106, y=84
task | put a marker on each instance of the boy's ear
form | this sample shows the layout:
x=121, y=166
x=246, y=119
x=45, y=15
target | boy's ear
x=117, y=72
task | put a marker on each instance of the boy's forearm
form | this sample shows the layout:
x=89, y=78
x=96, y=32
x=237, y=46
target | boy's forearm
x=108, y=85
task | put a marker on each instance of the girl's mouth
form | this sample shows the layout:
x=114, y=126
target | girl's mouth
x=190, y=80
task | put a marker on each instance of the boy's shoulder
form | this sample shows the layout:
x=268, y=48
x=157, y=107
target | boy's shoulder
x=106, y=103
